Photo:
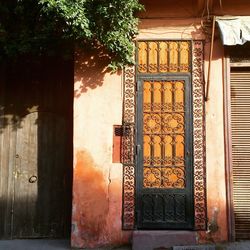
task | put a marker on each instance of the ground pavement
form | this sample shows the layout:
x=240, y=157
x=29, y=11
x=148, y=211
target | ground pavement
x=38, y=244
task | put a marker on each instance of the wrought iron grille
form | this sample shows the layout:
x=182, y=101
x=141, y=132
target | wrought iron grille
x=163, y=134
x=163, y=56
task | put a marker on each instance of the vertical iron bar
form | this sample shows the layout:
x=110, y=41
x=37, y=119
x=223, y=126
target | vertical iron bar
x=173, y=110
x=152, y=111
x=162, y=113
x=162, y=136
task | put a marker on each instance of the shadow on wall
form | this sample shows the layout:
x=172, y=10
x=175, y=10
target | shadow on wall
x=91, y=65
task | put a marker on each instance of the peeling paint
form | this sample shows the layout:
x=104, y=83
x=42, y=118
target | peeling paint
x=90, y=202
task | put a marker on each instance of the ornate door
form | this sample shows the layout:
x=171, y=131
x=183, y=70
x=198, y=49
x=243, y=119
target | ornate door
x=164, y=169
x=163, y=145
x=164, y=150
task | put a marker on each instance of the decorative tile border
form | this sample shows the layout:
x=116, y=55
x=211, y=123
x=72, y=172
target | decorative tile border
x=200, y=206
x=128, y=141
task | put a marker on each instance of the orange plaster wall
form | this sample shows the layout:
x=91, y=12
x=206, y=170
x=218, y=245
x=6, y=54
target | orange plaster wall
x=215, y=153
x=231, y=7
x=97, y=183
x=169, y=8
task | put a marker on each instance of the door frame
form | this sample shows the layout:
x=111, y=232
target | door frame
x=228, y=146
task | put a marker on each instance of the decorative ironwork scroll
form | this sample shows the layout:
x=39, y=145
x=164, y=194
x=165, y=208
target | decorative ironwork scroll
x=164, y=56
x=199, y=138
x=128, y=146
x=163, y=134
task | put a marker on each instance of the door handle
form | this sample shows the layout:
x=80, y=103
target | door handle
x=33, y=179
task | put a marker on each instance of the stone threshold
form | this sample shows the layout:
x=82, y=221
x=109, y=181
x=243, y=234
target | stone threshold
x=157, y=240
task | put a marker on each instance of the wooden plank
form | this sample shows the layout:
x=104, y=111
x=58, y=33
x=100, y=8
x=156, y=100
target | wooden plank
x=25, y=193
x=7, y=154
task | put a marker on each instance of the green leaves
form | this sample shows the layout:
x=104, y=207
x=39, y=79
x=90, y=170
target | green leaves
x=41, y=26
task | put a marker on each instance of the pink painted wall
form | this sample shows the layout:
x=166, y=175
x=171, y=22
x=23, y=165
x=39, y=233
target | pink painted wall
x=97, y=187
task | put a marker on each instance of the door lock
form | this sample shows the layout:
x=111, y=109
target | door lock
x=33, y=179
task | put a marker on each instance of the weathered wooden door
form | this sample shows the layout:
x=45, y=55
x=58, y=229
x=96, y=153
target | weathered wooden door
x=36, y=136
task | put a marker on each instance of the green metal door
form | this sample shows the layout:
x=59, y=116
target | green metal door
x=164, y=195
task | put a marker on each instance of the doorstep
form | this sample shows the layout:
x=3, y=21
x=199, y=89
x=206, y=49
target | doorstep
x=154, y=240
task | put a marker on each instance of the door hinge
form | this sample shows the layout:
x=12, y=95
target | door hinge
x=137, y=87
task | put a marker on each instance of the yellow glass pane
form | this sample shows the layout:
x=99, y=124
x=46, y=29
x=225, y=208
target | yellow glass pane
x=173, y=123
x=157, y=151
x=173, y=56
x=157, y=96
x=168, y=147
x=153, y=57
x=179, y=96
x=163, y=134
x=173, y=177
x=184, y=57
x=168, y=97
x=163, y=57
x=151, y=123
x=146, y=149
x=179, y=148
x=147, y=96
x=142, y=57
x=152, y=177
